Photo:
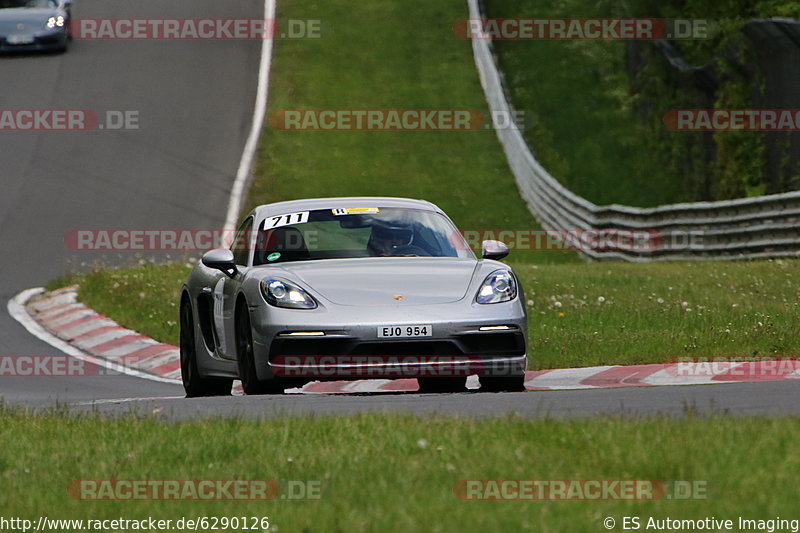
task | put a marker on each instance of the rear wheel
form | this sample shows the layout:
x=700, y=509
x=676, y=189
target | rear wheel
x=503, y=384
x=193, y=383
x=442, y=384
x=245, y=358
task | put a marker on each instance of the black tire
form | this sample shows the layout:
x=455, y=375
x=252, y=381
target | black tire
x=436, y=385
x=193, y=383
x=503, y=384
x=245, y=359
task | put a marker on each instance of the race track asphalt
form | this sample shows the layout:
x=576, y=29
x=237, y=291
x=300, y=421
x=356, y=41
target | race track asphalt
x=194, y=101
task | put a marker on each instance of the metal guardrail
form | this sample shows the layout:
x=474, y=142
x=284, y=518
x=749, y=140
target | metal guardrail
x=748, y=228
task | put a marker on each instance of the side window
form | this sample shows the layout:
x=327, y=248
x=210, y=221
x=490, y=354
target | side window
x=241, y=242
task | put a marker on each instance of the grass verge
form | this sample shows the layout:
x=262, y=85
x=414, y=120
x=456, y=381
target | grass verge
x=143, y=298
x=581, y=115
x=579, y=315
x=599, y=314
x=397, y=473
x=377, y=56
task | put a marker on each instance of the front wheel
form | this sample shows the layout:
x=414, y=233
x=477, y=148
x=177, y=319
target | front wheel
x=245, y=358
x=194, y=384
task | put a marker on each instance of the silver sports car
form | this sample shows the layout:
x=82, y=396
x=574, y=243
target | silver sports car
x=351, y=288
x=32, y=25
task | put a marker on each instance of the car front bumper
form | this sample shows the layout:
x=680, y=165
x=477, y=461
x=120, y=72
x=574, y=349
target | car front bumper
x=50, y=40
x=487, y=340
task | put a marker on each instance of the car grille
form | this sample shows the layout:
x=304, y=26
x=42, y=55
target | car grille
x=471, y=344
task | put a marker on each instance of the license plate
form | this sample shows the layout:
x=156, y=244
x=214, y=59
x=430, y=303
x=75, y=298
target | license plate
x=20, y=39
x=420, y=330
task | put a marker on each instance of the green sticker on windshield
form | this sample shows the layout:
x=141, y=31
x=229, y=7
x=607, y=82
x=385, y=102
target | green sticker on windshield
x=273, y=257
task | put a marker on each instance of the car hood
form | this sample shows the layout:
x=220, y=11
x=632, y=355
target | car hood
x=380, y=281
x=32, y=18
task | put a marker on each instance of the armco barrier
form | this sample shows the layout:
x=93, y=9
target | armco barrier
x=760, y=227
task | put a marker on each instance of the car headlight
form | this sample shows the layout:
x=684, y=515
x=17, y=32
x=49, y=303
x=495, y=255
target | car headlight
x=499, y=286
x=282, y=293
x=55, y=22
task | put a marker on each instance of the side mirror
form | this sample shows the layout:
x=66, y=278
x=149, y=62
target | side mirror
x=493, y=250
x=220, y=259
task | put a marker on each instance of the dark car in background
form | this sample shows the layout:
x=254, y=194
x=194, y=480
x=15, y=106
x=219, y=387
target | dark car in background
x=34, y=25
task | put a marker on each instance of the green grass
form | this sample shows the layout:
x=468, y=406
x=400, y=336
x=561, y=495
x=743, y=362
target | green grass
x=583, y=126
x=650, y=313
x=377, y=56
x=385, y=472
x=143, y=298
x=656, y=312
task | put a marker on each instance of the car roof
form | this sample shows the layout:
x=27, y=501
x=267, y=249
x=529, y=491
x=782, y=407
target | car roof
x=311, y=204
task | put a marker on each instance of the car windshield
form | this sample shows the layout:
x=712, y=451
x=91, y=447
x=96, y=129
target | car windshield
x=7, y=4
x=357, y=232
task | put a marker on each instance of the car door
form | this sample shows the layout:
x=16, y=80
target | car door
x=227, y=288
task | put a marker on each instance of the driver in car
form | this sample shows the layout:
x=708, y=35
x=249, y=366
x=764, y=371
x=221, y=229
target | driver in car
x=386, y=240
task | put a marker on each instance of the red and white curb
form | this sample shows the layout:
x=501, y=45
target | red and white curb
x=59, y=319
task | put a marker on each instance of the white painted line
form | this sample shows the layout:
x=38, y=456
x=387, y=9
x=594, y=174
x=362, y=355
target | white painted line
x=54, y=301
x=692, y=374
x=52, y=313
x=16, y=308
x=62, y=290
x=120, y=352
x=107, y=336
x=87, y=327
x=251, y=146
x=159, y=359
x=366, y=385
x=78, y=314
x=567, y=378
x=175, y=374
